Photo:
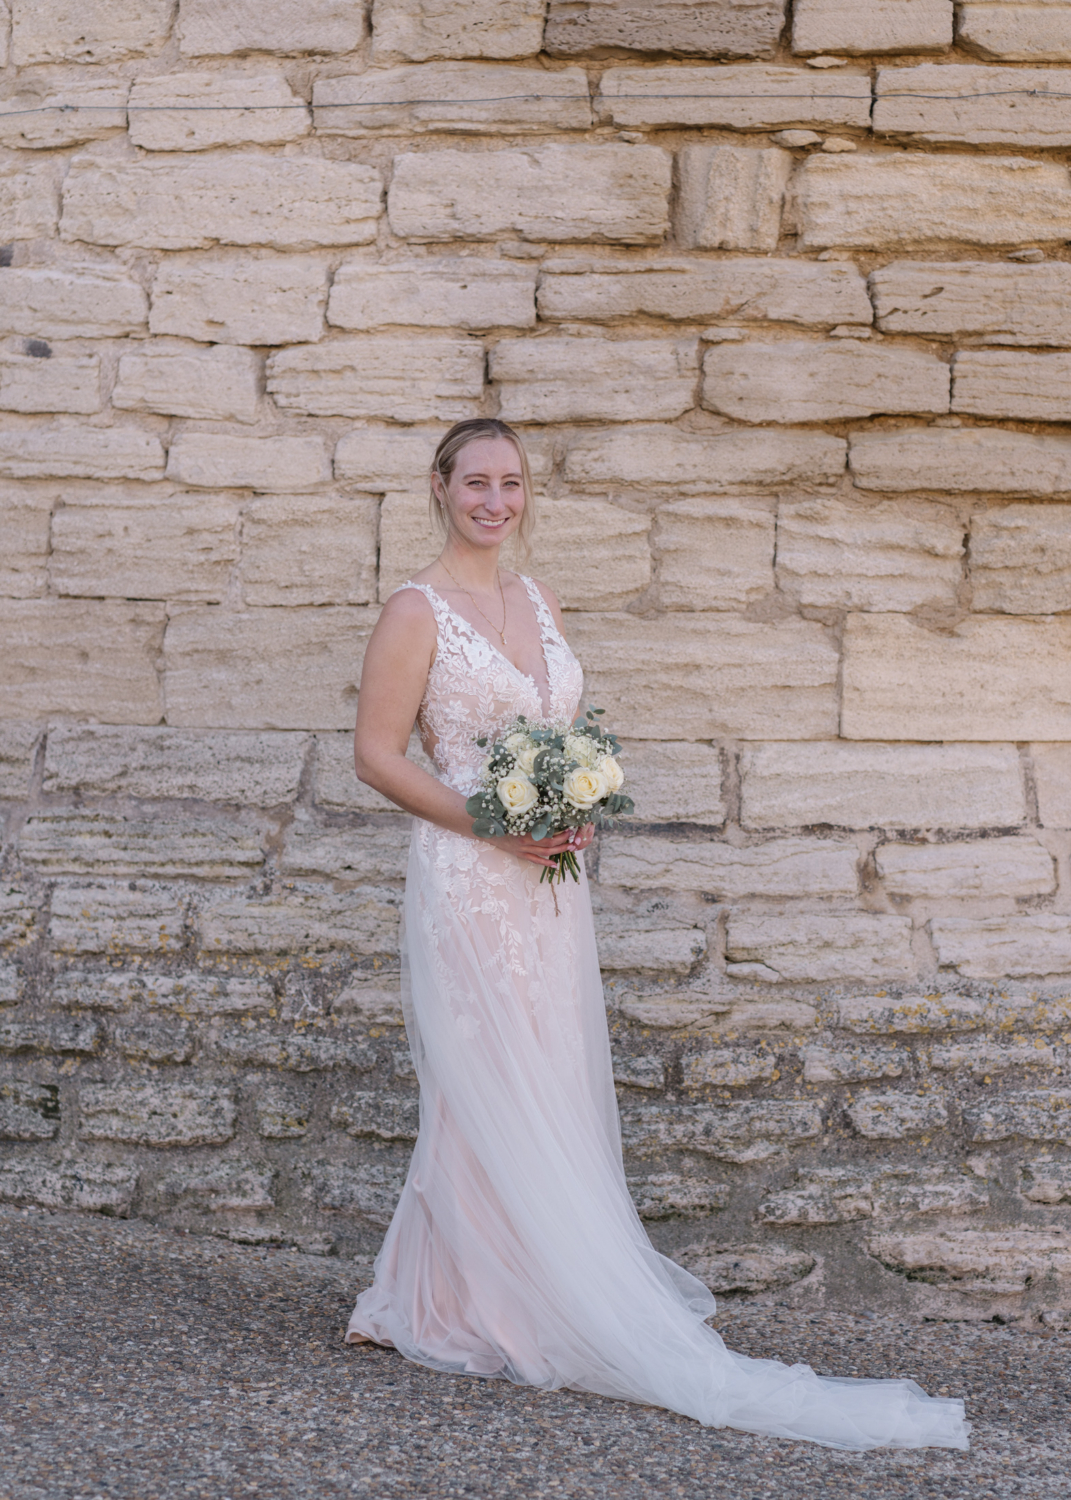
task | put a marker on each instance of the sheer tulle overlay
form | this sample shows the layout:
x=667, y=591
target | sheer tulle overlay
x=515, y=1250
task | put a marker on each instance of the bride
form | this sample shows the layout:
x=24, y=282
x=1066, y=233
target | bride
x=515, y=1250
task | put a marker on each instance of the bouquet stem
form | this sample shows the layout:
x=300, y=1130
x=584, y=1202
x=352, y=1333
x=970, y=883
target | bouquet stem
x=564, y=863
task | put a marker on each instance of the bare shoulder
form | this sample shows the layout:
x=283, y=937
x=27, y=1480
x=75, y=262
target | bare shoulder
x=409, y=614
x=551, y=600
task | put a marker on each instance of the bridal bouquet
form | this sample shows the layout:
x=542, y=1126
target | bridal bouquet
x=542, y=780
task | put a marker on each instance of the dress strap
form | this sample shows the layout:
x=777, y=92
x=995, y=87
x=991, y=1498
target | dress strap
x=547, y=626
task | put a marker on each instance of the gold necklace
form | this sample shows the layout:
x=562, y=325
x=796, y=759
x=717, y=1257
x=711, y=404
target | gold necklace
x=498, y=577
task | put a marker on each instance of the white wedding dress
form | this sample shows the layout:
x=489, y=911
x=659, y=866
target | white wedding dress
x=515, y=1250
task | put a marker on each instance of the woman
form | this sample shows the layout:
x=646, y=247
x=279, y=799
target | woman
x=515, y=1249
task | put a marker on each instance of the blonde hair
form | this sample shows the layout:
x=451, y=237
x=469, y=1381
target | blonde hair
x=445, y=461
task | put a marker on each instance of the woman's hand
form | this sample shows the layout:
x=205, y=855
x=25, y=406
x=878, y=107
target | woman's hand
x=543, y=851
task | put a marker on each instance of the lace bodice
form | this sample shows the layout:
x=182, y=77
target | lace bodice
x=474, y=691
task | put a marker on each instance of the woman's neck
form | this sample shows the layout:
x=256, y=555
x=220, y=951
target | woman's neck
x=476, y=570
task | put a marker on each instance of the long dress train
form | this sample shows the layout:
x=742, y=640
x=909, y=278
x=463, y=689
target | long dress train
x=515, y=1250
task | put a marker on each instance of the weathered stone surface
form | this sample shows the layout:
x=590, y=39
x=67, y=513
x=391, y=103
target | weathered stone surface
x=18, y=914
x=230, y=298
x=1001, y=678
x=300, y=549
x=117, y=918
x=48, y=31
x=9, y=984
x=707, y=28
x=981, y=1059
x=731, y=197
x=853, y=1064
x=644, y=1072
x=746, y=1268
x=181, y=548
x=206, y=29
x=1002, y=383
x=1038, y=1115
x=50, y=303
x=646, y=455
x=386, y=458
x=25, y=516
x=893, y=1117
x=79, y=452
x=193, y=111
x=301, y=921
x=910, y=1014
x=336, y=784
x=819, y=947
x=219, y=383
x=391, y=1117
x=1017, y=33
x=839, y=1195
x=796, y=381
x=365, y=854
x=78, y=1038
x=28, y=1111
x=597, y=554
x=462, y=98
x=632, y=944
x=156, y=1114
x=993, y=947
x=555, y=379
x=80, y=657
x=224, y=1187
x=30, y=384
x=730, y=1067
x=405, y=378
x=1010, y=867
x=752, y=1131
x=93, y=1187
x=1006, y=304
x=675, y=782
x=1052, y=775
x=223, y=461
x=1015, y=111
x=556, y=193
x=748, y=290
x=706, y=676
x=979, y=1262
x=1046, y=1181
x=260, y=770
x=239, y=670
x=782, y=867
x=1021, y=559
x=980, y=458
x=675, y=1010
x=747, y=97
x=80, y=110
x=75, y=842
x=714, y=554
x=880, y=26
x=417, y=30
x=237, y=198
x=369, y=1002
x=18, y=745
x=29, y=200
x=281, y=1112
x=912, y=197
x=372, y=1191
x=666, y=1195
x=154, y=1042
x=303, y=1052
x=433, y=292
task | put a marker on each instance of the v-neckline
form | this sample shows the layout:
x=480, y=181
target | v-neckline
x=525, y=676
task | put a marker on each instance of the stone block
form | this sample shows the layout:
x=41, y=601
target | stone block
x=224, y=461
x=29, y=200
x=853, y=1064
x=239, y=670
x=708, y=676
x=194, y=111
x=80, y=1038
x=51, y=303
x=665, y=1195
x=371, y=1191
x=38, y=117
x=181, y=548
x=68, y=451
x=25, y=516
x=1046, y=1181
x=879, y=556
x=747, y=97
x=730, y=1067
x=299, y=920
x=707, y=28
x=1027, y=945
x=228, y=298
x=675, y=782
x=796, y=381
x=387, y=458
x=224, y=1187
x=281, y=1112
x=369, y=1002
x=1021, y=559
x=32, y=384
x=258, y=770
x=309, y=549
x=811, y=947
x=556, y=193
x=416, y=30
x=303, y=1052
x=974, y=105
x=982, y=1059
x=206, y=29
x=154, y=1042
x=390, y=1117
x=462, y=98
x=1010, y=383
x=156, y=1114
x=18, y=746
x=743, y=289
x=839, y=1195
x=408, y=540
x=894, y=1117
x=73, y=656
x=881, y=26
x=75, y=842
x=746, y=1268
x=1052, y=776
x=1017, y=33
x=647, y=456
x=781, y=867
x=714, y=554
x=209, y=995
x=628, y=943
x=28, y=1111
x=461, y=291
x=680, y=1010
x=562, y=379
x=91, y=31
x=1034, y=1115
x=404, y=378
x=597, y=554
x=18, y=915
x=228, y=198
x=94, y=1187
x=915, y=197
x=127, y=916
x=362, y=854
x=752, y=1131
x=336, y=784
x=1002, y=679
x=217, y=384
x=644, y=1072
x=731, y=197
x=1004, y=304
x=1010, y=867
x=909, y=1015
x=972, y=459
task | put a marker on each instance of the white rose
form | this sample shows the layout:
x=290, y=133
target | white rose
x=526, y=759
x=615, y=777
x=582, y=748
x=516, y=793
x=584, y=787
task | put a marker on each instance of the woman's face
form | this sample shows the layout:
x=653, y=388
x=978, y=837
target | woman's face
x=484, y=496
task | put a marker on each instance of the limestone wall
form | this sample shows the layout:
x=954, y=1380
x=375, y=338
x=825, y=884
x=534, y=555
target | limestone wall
x=782, y=304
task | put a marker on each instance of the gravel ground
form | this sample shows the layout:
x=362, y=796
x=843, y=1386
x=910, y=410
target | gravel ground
x=145, y=1364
